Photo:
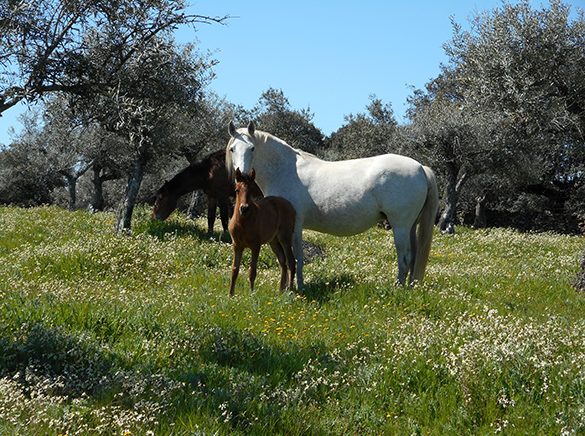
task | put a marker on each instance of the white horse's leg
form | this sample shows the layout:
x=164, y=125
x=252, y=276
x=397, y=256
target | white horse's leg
x=298, y=252
x=413, y=248
x=403, y=252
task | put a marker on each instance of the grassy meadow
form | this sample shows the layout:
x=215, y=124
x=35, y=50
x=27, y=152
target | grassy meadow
x=136, y=335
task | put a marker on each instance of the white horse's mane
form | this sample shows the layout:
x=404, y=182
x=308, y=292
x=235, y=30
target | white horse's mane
x=266, y=137
x=262, y=138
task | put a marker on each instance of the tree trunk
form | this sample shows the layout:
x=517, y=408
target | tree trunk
x=124, y=222
x=455, y=181
x=480, y=220
x=97, y=202
x=71, y=176
x=196, y=205
x=447, y=219
x=72, y=190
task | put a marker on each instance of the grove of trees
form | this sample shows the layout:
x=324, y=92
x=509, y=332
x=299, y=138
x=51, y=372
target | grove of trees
x=504, y=122
x=125, y=106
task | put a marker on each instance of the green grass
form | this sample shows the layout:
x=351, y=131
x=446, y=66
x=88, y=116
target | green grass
x=107, y=334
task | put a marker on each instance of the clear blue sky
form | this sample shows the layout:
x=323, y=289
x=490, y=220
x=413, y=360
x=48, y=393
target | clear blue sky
x=330, y=55
x=327, y=55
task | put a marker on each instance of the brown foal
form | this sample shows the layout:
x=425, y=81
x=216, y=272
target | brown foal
x=269, y=220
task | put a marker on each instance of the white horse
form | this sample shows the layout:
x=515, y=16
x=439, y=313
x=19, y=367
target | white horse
x=345, y=197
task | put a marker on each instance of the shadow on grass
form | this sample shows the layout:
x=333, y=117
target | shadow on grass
x=232, y=379
x=249, y=352
x=44, y=357
x=163, y=229
x=248, y=382
x=322, y=289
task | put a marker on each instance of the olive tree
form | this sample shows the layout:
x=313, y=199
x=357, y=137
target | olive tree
x=365, y=134
x=155, y=90
x=525, y=66
x=274, y=114
x=509, y=106
x=27, y=175
x=44, y=43
x=448, y=136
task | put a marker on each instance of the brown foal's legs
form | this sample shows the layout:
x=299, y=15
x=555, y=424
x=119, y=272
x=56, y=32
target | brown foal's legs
x=235, y=269
x=254, y=266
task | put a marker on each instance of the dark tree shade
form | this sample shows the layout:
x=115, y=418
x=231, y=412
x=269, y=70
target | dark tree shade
x=580, y=283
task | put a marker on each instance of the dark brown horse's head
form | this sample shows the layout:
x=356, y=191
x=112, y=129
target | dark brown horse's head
x=165, y=202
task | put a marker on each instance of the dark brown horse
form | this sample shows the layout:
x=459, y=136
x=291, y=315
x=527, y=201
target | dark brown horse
x=268, y=220
x=210, y=175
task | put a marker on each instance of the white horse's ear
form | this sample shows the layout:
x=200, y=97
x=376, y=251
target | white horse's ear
x=232, y=129
x=251, y=128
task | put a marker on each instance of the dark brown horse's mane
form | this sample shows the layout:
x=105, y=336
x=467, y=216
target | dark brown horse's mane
x=195, y=175
x=209, y=175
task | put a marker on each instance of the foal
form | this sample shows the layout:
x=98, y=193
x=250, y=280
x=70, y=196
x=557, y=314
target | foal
x=268, y=220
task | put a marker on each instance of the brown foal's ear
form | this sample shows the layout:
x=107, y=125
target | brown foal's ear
x=253, y=174
x=251, y=128
x=232, y=129
x=238, y=175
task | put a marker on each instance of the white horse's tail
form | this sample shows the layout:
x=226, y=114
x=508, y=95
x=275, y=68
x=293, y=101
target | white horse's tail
x=426, y=223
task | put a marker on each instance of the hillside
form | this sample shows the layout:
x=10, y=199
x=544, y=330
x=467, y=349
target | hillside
x=129, y=334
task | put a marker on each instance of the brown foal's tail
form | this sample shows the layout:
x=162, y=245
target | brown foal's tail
x=426, y=224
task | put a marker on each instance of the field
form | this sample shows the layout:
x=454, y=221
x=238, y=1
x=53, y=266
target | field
x=107, y=334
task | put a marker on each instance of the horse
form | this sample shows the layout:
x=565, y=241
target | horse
x=269, y=220
x=345, y=197
x=211, y=176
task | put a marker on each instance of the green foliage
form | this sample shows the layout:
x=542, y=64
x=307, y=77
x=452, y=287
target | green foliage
x=78, y=46
x=505, y=117
x=365, y=134
x=524, y=62
x=26, y=178
x=274, y=114
x=106, y=334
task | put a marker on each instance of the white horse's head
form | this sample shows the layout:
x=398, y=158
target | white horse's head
x=240, y=149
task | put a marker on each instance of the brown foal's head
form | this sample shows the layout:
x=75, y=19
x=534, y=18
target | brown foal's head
x=246, y=190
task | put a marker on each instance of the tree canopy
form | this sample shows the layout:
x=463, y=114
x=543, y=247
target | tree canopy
x=365, y=134
x=509, y=106
x=51, y=45
x=502, y=123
